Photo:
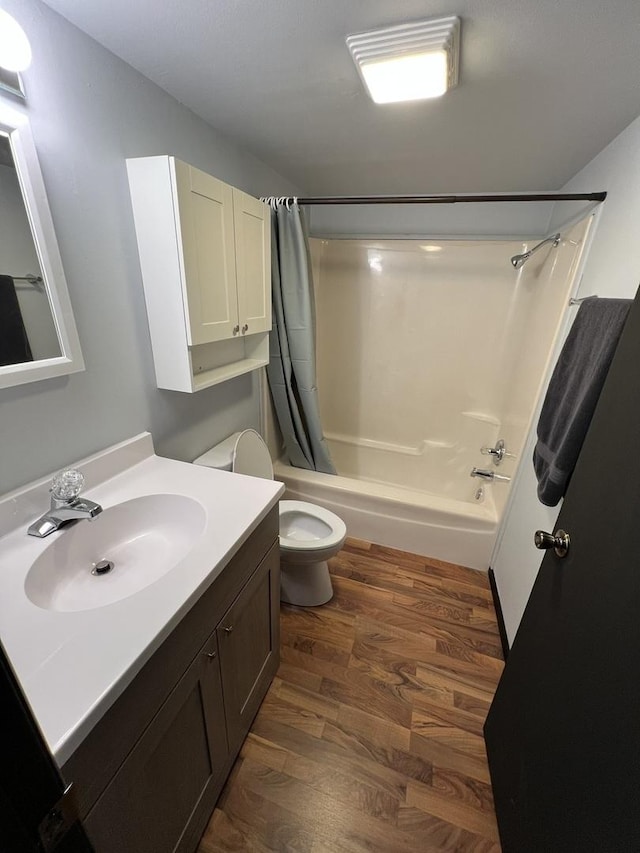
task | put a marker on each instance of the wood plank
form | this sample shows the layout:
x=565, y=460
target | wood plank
x=348, y=787
x=436, y=725
x=380, y=606
x=296, y=659
x=371, y=766
x=326, y=815
x=245, y=821
x=385, y=733
x=369, y=694
x=448, y=836
x=475, y=673
x=290, y=715
x=385, y=575
x=439, y=684
x=322, y=650
x=405, y=764
x=434, y=802
x=320, y=624
x=433, y=566
x=299, y=676
x=443, y=755
x=308, y=700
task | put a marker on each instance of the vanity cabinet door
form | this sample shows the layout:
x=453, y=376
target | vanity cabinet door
x=206, y=225
x=249, y=641
x=162, y=796
x=253, y=262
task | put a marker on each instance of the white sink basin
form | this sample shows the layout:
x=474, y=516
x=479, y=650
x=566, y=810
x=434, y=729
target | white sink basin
x=144, y=538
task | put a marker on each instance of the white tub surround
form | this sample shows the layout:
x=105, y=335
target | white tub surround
x=73, y=665
x=428, y=351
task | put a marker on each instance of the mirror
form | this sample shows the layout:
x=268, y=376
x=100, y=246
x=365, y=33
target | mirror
x=38, y=337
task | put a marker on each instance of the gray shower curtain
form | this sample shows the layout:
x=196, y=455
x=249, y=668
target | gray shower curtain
x=292, y=343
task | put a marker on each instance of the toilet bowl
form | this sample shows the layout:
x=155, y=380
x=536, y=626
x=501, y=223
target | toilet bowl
x=309, y=535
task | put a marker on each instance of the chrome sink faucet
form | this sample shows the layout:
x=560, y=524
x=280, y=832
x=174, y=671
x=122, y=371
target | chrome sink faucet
x=66, y=505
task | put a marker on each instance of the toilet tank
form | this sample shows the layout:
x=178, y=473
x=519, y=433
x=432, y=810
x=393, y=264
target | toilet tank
x=220, y=455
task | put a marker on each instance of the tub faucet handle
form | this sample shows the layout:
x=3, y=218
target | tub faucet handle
x=497, y=453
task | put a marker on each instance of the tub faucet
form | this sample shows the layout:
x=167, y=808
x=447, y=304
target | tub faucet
x=489, y=475
x=66, y=505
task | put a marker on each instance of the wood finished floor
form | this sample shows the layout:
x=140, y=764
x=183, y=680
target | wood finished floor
x=370, y=737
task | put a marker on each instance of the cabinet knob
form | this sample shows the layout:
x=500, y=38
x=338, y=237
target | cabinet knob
x=235, y=330
x=212, y=655
x=245, y=328
x=228, y=629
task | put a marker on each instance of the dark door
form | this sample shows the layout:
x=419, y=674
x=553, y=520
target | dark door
x=563, y=732
x=35, y=816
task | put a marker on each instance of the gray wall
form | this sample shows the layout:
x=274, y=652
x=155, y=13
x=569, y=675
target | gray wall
x=88, y=112
x=428, y=220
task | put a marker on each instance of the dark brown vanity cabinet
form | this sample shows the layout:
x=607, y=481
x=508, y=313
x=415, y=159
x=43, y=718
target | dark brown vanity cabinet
x=172, y=768
x=149, y=774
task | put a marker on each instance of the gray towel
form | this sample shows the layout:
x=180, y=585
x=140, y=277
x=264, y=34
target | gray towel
x=573, y=393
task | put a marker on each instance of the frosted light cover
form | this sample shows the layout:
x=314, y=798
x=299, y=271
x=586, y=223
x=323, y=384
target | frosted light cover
x=407, y=78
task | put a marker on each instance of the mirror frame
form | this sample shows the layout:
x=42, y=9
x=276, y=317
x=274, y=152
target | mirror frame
x=16, y=125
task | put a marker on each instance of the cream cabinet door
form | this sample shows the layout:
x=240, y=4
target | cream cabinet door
x=253, y=262
x=206, y=242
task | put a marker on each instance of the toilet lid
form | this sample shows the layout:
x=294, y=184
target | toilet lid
x=251, y=456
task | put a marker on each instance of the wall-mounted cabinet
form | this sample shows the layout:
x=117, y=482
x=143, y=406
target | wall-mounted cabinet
x=205, y=253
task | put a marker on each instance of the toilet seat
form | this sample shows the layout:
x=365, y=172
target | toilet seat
x=309, y=527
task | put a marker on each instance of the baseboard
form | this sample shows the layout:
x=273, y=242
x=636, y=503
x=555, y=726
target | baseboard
x=499, y=617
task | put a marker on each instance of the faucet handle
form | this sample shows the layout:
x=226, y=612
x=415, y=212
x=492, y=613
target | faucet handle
x=67, y=485
x=498, y=453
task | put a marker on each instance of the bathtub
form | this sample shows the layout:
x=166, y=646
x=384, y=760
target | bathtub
x=447, y=528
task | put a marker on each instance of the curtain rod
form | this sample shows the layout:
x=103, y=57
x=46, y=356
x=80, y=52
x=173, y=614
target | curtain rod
x=451, y=199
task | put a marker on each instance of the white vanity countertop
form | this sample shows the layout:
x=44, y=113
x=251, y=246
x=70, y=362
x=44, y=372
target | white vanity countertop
x=74, y=665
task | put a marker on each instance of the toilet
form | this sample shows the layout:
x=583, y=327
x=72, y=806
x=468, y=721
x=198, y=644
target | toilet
x=309, y=534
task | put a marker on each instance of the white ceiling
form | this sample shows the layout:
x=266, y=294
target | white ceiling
x=544, y=86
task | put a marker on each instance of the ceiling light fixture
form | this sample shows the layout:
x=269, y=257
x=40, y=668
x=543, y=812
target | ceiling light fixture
x=408, y=62
x=15, y=50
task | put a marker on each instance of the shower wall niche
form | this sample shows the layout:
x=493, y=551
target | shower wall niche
x=429, y=350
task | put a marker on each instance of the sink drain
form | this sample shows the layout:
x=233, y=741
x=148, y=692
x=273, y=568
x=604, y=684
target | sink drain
x=102, y=567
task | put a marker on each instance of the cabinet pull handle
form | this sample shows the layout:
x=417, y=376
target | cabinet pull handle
x=212, y=655
x=235, y=330
x=228, y=629
x=245, y=328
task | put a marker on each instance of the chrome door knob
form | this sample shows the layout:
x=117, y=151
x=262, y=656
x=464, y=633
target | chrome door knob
x=559, y=541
